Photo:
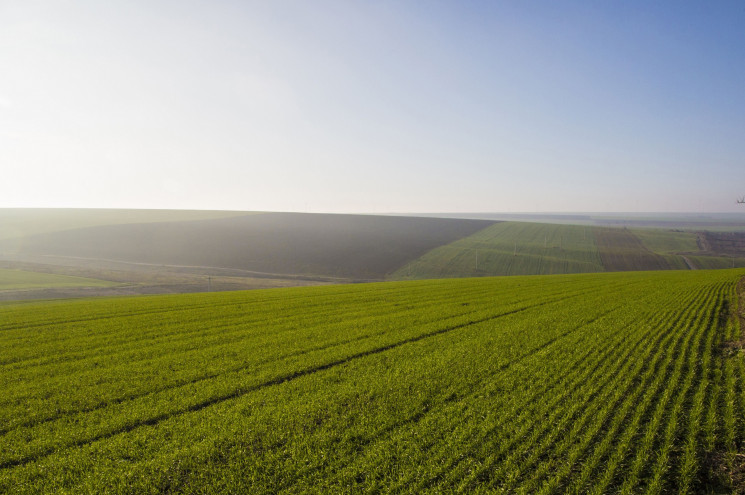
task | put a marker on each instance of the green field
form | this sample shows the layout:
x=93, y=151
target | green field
x=717, y=262
x=520, y=248
x=22, y=279
x=360, y=248
x=622, y=382
x=511, y=248
x=667, y=241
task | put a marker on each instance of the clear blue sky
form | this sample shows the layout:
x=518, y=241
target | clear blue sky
x=373, y=106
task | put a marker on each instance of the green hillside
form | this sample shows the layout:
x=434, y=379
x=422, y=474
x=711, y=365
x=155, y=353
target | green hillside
x=519, y=248
x=511, y=248
x=667, y=241
x=621, y=250
x=321, y=248
x=595, y=383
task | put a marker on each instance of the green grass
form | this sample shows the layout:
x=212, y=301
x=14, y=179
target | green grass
x=621, y=250
x=511, y=248
x=667, y=241
x=515, y=248
x=22, y=279
x=716, y=262
x=565, y=384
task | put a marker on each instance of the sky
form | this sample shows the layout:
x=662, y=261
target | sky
x=373, y=106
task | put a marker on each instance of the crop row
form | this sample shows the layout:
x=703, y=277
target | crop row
x=584, y=383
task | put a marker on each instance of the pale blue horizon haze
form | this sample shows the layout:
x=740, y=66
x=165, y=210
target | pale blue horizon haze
x=374, y=107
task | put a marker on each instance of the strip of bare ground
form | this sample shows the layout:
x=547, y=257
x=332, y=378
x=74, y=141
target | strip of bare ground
x=688, y=262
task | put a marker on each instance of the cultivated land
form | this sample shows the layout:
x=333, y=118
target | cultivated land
x=22, y=279
x=521, y=248
x=621, y=250
x=171, y=251
x=342, y=246
x=717, y=222
x=594, y=383
x=511, y=248
x=17, y=223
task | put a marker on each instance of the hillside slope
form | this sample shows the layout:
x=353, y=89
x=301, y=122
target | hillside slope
x=350, y=246
x=511, y=248
x=519, y=248
x=621, y=250
x=22, y=222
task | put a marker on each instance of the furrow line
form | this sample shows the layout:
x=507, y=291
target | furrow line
x=568, y=383
x=243, y=391
x=526, y=434
x=414, y=419
x=625, y=375
x=322, y=308
x=237, y=369
x=663, y=464
x=611, y=461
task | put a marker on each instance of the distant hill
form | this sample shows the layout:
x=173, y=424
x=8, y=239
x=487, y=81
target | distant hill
x=22, y=222
x=347, y=246
x=527, y=248
x=161, y=249
x=511, y=248
x=720, y=222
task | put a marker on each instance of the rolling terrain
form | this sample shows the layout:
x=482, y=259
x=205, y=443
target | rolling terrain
x=342, y=246
x=715, y=222
x=18, y=223
x=154, y=251
x=522, y=248
x=511, y=248
x=591, y=383
x=622, y=250
x=24, y=279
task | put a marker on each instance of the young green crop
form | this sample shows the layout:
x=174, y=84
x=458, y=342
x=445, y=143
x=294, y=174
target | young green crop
x=562, y=384
x=511, y=248
x=23, y=279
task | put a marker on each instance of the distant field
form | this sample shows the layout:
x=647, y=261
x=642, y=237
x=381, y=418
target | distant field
x=667, y=241
x=20, y=279
x=344, y=246
x=511, y=248
x=599, y=383
x=279, y=249
x=21, y=222
x=621, y=250
x=691, y=222
x=717, y=262
x=521, y=248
